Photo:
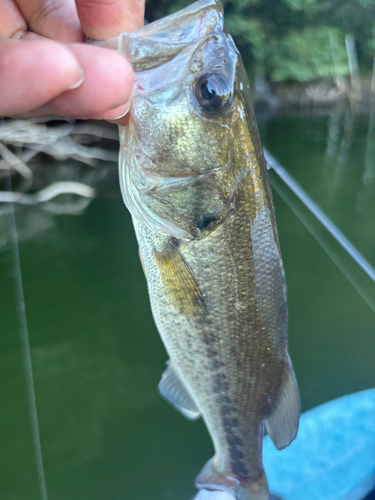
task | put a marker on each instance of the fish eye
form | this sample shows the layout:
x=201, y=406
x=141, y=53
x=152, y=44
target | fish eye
x=213, y=93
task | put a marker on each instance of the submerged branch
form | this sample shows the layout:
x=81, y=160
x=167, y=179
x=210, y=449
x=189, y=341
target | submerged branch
x=13, y=161
x=60, y=141
x=48, y=193
x=21, y=141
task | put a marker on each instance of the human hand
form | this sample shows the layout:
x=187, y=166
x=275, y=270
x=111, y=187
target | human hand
x=46, y=69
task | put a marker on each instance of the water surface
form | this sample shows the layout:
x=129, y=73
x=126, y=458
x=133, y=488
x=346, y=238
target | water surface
x=97, y=358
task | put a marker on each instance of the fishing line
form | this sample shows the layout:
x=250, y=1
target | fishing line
x=25, y=345
x=323, y=243
x=320, y=215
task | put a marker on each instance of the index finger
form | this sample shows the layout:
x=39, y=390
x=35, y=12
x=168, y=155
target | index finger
x=103, y=19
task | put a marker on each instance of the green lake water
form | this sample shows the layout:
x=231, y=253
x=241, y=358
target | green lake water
x=105, y=433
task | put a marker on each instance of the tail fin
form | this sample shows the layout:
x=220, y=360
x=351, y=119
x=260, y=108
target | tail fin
x=211, y=480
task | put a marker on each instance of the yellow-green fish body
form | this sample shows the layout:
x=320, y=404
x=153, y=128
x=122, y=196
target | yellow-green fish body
x=194, y=177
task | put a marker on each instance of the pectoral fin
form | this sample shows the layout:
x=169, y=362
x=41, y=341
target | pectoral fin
x=282, y=424
x=180, y=284
x=173, y=390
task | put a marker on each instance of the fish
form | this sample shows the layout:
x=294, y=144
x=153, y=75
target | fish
x=194, y=178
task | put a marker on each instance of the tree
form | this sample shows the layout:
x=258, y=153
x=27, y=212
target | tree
x=293, y=39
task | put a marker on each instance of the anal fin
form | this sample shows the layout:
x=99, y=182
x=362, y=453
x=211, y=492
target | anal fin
x=173, y=390
x=282, y=424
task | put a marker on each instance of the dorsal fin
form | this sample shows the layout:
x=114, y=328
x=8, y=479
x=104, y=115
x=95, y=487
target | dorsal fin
x=179, y=281
x=282, y=424
x=173, y=390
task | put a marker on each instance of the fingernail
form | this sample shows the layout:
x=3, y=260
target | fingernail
x=121, y=111
x=78, y=83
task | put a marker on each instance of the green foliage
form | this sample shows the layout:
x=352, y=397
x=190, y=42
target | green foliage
x=366, y=3
x=241, y=4
x=293, y=39
x=305, y=55
x=307, y=6
x=248, y=32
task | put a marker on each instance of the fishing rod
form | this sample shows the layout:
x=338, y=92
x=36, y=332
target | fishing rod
x=334, y=231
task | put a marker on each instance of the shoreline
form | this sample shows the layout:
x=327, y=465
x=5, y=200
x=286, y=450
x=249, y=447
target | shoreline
x=318, y=93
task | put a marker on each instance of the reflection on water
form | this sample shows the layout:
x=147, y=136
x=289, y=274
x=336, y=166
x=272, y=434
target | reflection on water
x=368, y=192
x=341, y=129
x=339, y=140
x=97, y=359
x=63, y=189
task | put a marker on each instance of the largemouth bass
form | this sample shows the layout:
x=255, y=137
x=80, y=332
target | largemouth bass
x=194, y=178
